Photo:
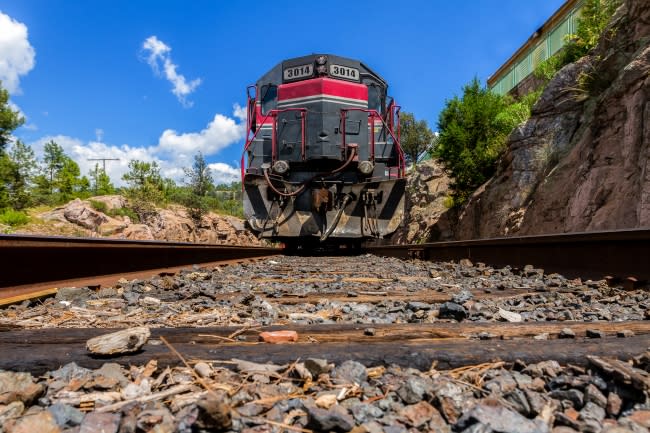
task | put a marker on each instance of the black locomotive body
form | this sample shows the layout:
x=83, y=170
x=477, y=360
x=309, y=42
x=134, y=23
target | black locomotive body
x=322, y=161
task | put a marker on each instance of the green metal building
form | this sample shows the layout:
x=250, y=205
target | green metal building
x=546, y=41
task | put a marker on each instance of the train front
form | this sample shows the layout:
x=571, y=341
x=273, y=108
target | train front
x=322, y=161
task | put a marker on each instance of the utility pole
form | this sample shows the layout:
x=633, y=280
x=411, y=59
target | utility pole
x=103, y=160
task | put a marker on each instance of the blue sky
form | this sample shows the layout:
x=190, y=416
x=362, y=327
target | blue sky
x=161, y=80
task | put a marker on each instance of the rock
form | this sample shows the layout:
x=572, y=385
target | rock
x=413, y=389
x=462, y=297
x=124, y=341
x=419, y=414
x=595, y=333
x=364, y=411
x=614, y=404
x=318, y=366
x=277, y=337
x=417, y=306
x=573, y=395
x=95, y=422
x=157, y=419
x=66, y=415
x=349, y=372
x=452, y=310
x=640, y=417
x=593, y=412
x=213, y=413
x=510, y=316
x=370, y=332
x=18, y=386
x=138, y=232
x=11, y=411
x=41, y=422
x=326, y=401
x=626, y=333
x=73, y=294
x=593, y=395
x=567, y=333
x=80, y=213
x=203, y=369
x=334, y=419
x=109, y=375
x=427, y=216
x=498, y=419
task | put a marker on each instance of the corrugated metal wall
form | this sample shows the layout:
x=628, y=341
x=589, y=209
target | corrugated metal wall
x=550, y=44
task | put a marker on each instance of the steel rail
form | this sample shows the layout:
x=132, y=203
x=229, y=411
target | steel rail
x=31, y=261
x=599, y=254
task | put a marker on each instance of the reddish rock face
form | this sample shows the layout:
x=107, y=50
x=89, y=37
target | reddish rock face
x=582, y=161
x=170, y=224
x=427, y=218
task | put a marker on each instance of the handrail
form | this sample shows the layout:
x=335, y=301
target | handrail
x=274, y=113
x=373, y=114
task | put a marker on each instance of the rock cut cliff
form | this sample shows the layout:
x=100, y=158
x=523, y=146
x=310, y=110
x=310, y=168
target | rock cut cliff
x=582, y=160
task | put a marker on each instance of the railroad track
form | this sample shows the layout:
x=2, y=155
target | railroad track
x=398, y=306
x=33, y=265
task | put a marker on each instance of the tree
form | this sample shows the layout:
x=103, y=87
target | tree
x=416, y=137
x=473, y=132
x=145, y=187
x=100, y=182
x=53, y=159
x=67, y=180
x=199, y=181
x=9, y=119
x=22, y=174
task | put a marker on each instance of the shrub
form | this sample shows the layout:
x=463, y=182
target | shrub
x=13, y=218
x=99, y=206
x=473, y=132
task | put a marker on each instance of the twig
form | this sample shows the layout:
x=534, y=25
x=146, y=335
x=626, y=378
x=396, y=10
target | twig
x=198, y=378
x=218, y=337
x=242, y=330
x=285, y=426
x=178, y=389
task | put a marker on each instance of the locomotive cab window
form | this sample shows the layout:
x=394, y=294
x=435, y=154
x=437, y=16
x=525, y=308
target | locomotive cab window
x=374, y=98
x=269, y=98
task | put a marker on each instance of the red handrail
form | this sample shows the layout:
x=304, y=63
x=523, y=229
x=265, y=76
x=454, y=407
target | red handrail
x=373, y=114
x=274, y=114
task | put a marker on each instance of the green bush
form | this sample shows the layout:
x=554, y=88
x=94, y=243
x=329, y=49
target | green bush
x=124, y=212
x=13, y=218
x=99, y=206
x=473, y=130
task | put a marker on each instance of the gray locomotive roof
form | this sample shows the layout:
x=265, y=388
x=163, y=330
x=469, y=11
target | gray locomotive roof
x=274, y=76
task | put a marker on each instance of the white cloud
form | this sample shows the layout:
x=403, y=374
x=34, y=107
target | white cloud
x=16, y=53
x=173, y=151
x=218, y=134
x=158, y=54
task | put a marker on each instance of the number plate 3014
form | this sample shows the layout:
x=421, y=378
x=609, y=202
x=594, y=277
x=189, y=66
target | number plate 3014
x=296, y=72
x=344, y=72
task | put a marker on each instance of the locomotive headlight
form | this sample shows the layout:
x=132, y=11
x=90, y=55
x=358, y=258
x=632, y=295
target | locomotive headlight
x=321, y=60
x=280, y=166
x=366, y=167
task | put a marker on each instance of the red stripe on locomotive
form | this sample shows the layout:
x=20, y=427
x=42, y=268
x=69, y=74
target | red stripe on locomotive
x=322, y=86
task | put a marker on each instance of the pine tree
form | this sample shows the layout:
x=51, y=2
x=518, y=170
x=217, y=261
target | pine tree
x=199, y=181
x=9, y=119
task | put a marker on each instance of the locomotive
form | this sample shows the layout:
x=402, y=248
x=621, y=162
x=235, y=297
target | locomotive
x=322, y=163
